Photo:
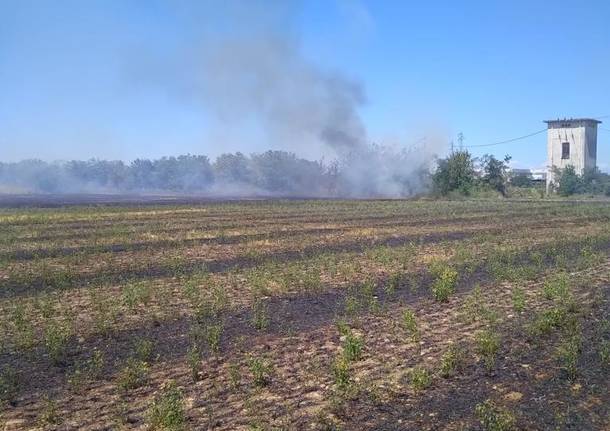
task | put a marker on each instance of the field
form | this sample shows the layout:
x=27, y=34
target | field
x=354, y=315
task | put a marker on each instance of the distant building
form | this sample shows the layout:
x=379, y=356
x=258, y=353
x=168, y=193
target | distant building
x=571, y=142
x=534, y=175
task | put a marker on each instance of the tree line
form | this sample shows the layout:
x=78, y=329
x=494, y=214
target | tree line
x=462, y=174
x=374, y=172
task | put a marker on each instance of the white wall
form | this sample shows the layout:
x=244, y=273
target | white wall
x=581, y=136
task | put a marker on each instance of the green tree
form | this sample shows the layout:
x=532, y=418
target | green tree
x=454, y=173
x=568, y=181
x=495, y=172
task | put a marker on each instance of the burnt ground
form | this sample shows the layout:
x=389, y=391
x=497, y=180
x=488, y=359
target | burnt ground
x=363, y=279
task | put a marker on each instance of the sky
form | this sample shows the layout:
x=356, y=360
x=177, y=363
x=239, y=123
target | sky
x=125, y=79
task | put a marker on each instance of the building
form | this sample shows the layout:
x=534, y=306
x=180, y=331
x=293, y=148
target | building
x=534, y=175
x=571, y=142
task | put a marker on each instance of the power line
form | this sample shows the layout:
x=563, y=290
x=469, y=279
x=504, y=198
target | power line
x=508, y=140
x=603, y=128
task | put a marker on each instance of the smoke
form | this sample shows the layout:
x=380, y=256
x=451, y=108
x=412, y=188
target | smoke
x=248, y=72
x=257, y=73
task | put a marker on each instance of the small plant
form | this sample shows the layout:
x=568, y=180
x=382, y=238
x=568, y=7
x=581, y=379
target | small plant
x=488, y=344
x=518, y=298
x=494, y=418
x=213, y=337
x=260, y=314
x=341, y=372
x=604, y=352
x=568, y=353
x=90, y=370
x=194, y=358
x=234, y=375
x=556, y=287
x=133, y=375
x=56, y=338
x=352, y=347
x=451, y=361
x=261, y=370
x=9, y=385
x=420, y=378
x=409, y=322
x=24, y=330
x=393, y=283
x=104, y=310
x=352, y=306
x=444, y=284
x=144, y=350
x=49, y=414
x=167, y=410
x=552, y=318
x=136, y=293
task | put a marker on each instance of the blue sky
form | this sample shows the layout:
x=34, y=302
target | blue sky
x=82, y=79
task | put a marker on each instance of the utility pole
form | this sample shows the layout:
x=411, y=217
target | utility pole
x=461, y=140
x=452, y=146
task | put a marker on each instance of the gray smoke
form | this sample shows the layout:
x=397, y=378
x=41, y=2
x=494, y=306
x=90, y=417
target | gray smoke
x=259, y=74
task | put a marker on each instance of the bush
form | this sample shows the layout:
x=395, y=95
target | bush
x=454, y=173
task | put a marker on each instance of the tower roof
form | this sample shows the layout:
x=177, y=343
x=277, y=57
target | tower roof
x=573, y=120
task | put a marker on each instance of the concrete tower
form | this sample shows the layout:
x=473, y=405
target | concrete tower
x=571, y=142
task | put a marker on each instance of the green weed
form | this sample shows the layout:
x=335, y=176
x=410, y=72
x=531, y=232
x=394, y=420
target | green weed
x=494, y=418
x=167, y=410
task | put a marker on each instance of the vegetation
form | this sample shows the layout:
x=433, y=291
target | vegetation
x=208, y=316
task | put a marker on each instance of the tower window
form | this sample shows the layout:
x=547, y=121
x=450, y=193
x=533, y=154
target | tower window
x=565, y=150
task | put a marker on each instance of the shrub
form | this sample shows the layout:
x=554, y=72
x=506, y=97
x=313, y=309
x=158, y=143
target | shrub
x=444, y=285
x=167, y=410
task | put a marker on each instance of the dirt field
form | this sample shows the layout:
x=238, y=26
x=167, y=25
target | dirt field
x=261, y=315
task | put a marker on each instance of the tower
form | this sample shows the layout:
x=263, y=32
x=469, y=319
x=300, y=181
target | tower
x=571, y=142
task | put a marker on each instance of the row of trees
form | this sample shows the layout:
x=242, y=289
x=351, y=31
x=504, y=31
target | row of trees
x=592, y=181
x=272, y=172
x=375, y=171
x=461, y=173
